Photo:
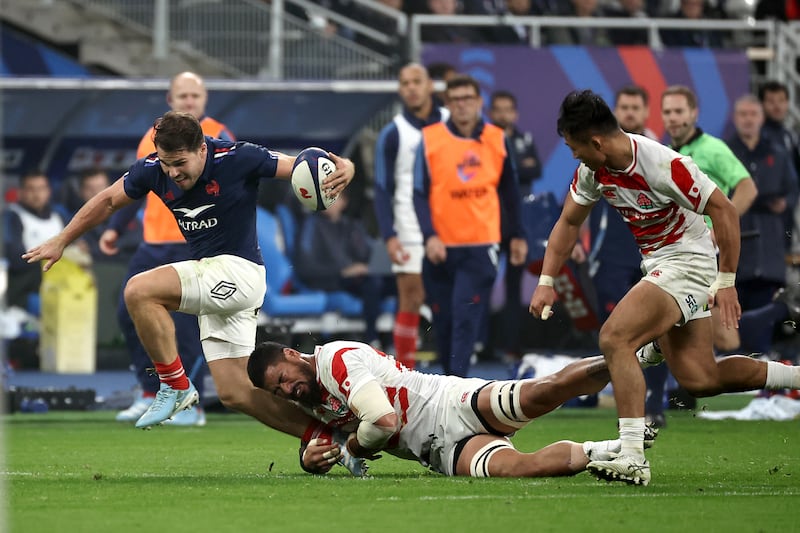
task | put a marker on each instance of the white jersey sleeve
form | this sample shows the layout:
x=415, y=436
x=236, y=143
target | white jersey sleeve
x=584, y=189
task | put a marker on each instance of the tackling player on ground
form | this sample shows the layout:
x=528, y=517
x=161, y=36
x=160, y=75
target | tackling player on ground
x=456, y=426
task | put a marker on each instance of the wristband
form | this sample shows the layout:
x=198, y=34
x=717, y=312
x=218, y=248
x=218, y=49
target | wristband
x=546, y=280
x=724, y=280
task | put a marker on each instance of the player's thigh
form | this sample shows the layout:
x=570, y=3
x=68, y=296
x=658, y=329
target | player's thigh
x=161, y=285
x=645, y=313
x=485, y=456
x=220, y=284
x=230, y=376
x=689, y=353
x=725, y=339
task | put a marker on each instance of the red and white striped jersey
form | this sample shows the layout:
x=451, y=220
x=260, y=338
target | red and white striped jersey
x=660, y=196
x=343, y=367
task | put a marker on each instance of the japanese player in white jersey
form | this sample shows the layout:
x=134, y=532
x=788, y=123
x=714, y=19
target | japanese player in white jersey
x=453, y=425
x=662, y=196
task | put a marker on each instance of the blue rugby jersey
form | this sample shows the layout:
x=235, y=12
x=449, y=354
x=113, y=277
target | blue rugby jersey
x=218, y=215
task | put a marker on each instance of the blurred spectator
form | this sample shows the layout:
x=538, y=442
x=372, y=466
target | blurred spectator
x=28, y=223
x=693, y=10
x=385, y=25
x=614, y=257
x=585, y=36
x=333, y=254
x=762, y=269
x=774, y=96
x=464, y=174
x=394, y=202
x=447, y=33
x=783, y=10
x=503, y=113
x=518, y=33
x=440, y=73
x=633, y=9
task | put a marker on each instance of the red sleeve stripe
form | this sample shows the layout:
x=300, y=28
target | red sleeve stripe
x=685, y=182
x=574, y=184
x=339, y=370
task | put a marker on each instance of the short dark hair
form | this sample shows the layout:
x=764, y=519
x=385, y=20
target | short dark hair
x=632, y=90
x=499, y=95
x=463, y=81
x=437, y=71
x=683, y=90
x=264, y=355
x=583, y=114
x=177, y=131
x=91, y=172
x=772, y=86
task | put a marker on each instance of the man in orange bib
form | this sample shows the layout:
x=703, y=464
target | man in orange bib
x=463, y=173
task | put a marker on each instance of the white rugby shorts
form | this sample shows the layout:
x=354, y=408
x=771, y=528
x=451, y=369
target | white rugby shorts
x=455, y=421
x=685, y=277
x=416, y=253
x=225, y=292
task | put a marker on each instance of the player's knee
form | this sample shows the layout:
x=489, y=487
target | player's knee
x=479, y=465
x=135, y=291
x=612, y=339
x=701, y=386
x=235, y=399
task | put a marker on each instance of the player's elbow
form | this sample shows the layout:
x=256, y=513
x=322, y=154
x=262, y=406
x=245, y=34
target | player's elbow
x=375, y=435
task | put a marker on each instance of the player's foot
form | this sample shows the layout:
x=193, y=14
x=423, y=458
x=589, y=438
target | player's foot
x=356, y=465
x=650, y=355
x=607, y=450
x=167, y=403
x=625, y=468
x=194, y=416
x=136, y=409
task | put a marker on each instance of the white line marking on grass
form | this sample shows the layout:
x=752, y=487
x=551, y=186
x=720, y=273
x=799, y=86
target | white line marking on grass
x=767, y=492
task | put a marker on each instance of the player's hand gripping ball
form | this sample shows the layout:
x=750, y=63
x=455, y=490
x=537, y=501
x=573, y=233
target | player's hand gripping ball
x=310, y=169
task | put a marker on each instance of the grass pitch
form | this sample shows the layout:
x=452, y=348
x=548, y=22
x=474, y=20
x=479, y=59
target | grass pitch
x=76, y=472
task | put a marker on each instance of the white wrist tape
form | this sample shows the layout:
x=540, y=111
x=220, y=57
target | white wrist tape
x=546, y=280
x=724, y=280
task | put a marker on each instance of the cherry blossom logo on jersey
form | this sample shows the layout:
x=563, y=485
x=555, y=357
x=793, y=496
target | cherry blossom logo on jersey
x=644, y=202
x=334, y=403
x=655, y=273
x=212, y=189
x=169, y=196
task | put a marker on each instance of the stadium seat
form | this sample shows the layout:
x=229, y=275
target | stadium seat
x=280, y=300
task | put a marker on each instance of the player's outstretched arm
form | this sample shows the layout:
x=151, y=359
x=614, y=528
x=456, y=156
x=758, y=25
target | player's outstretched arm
x=559, y=248
x=93, y=212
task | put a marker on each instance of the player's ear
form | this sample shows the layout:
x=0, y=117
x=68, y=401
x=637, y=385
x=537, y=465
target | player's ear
x=596, y=142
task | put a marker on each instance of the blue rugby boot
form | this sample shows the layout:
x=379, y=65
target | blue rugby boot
x=167, y=403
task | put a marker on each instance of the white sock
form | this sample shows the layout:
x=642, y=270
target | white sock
x=601, y=446
x=631, y=436
x=780, y=376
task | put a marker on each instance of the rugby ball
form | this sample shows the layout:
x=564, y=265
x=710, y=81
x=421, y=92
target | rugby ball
x=310, y=169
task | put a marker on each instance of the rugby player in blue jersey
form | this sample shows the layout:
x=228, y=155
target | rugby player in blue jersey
x=211, y=186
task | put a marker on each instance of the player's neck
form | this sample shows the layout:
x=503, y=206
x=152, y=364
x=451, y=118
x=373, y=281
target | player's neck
x=425, y=111
x=620, y=155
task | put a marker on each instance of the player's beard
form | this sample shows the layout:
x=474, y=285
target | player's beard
x=313, y=397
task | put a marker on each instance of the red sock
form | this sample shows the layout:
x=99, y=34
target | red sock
x=406, y=328
x=173, y=374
